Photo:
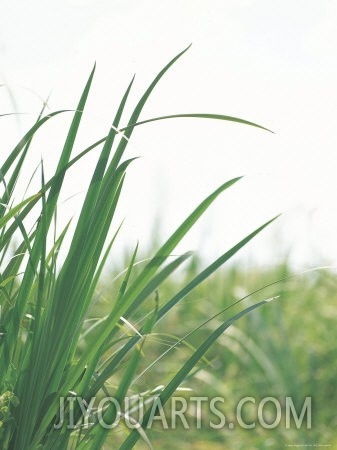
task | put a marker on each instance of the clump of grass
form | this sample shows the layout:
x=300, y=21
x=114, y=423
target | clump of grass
x=43, y=312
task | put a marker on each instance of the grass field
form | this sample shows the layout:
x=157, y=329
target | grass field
x=287, y=348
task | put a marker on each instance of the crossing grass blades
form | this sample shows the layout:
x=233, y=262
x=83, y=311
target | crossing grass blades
x=44, y=301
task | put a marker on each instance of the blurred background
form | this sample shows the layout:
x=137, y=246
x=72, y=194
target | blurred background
x=273, y=63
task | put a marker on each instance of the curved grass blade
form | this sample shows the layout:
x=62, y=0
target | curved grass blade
x=16, y=209
x=197, y=116
x=24, y=141
x=14, y=177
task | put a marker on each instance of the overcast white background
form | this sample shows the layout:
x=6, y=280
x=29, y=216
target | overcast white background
x=269, y=61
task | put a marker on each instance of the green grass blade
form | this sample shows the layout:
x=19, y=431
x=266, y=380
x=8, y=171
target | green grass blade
x=197, y=116
x=111, y=413
x=137, y=111
x=16, y=209
x=9, y=189
x=24, y=141
x=156, y=281
x=127, y=275
x=211, y=269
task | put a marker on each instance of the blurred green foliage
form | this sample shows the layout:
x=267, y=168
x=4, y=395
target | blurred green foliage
x=287, y=348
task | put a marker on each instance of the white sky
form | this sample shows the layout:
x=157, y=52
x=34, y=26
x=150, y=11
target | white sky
x=272, y=62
